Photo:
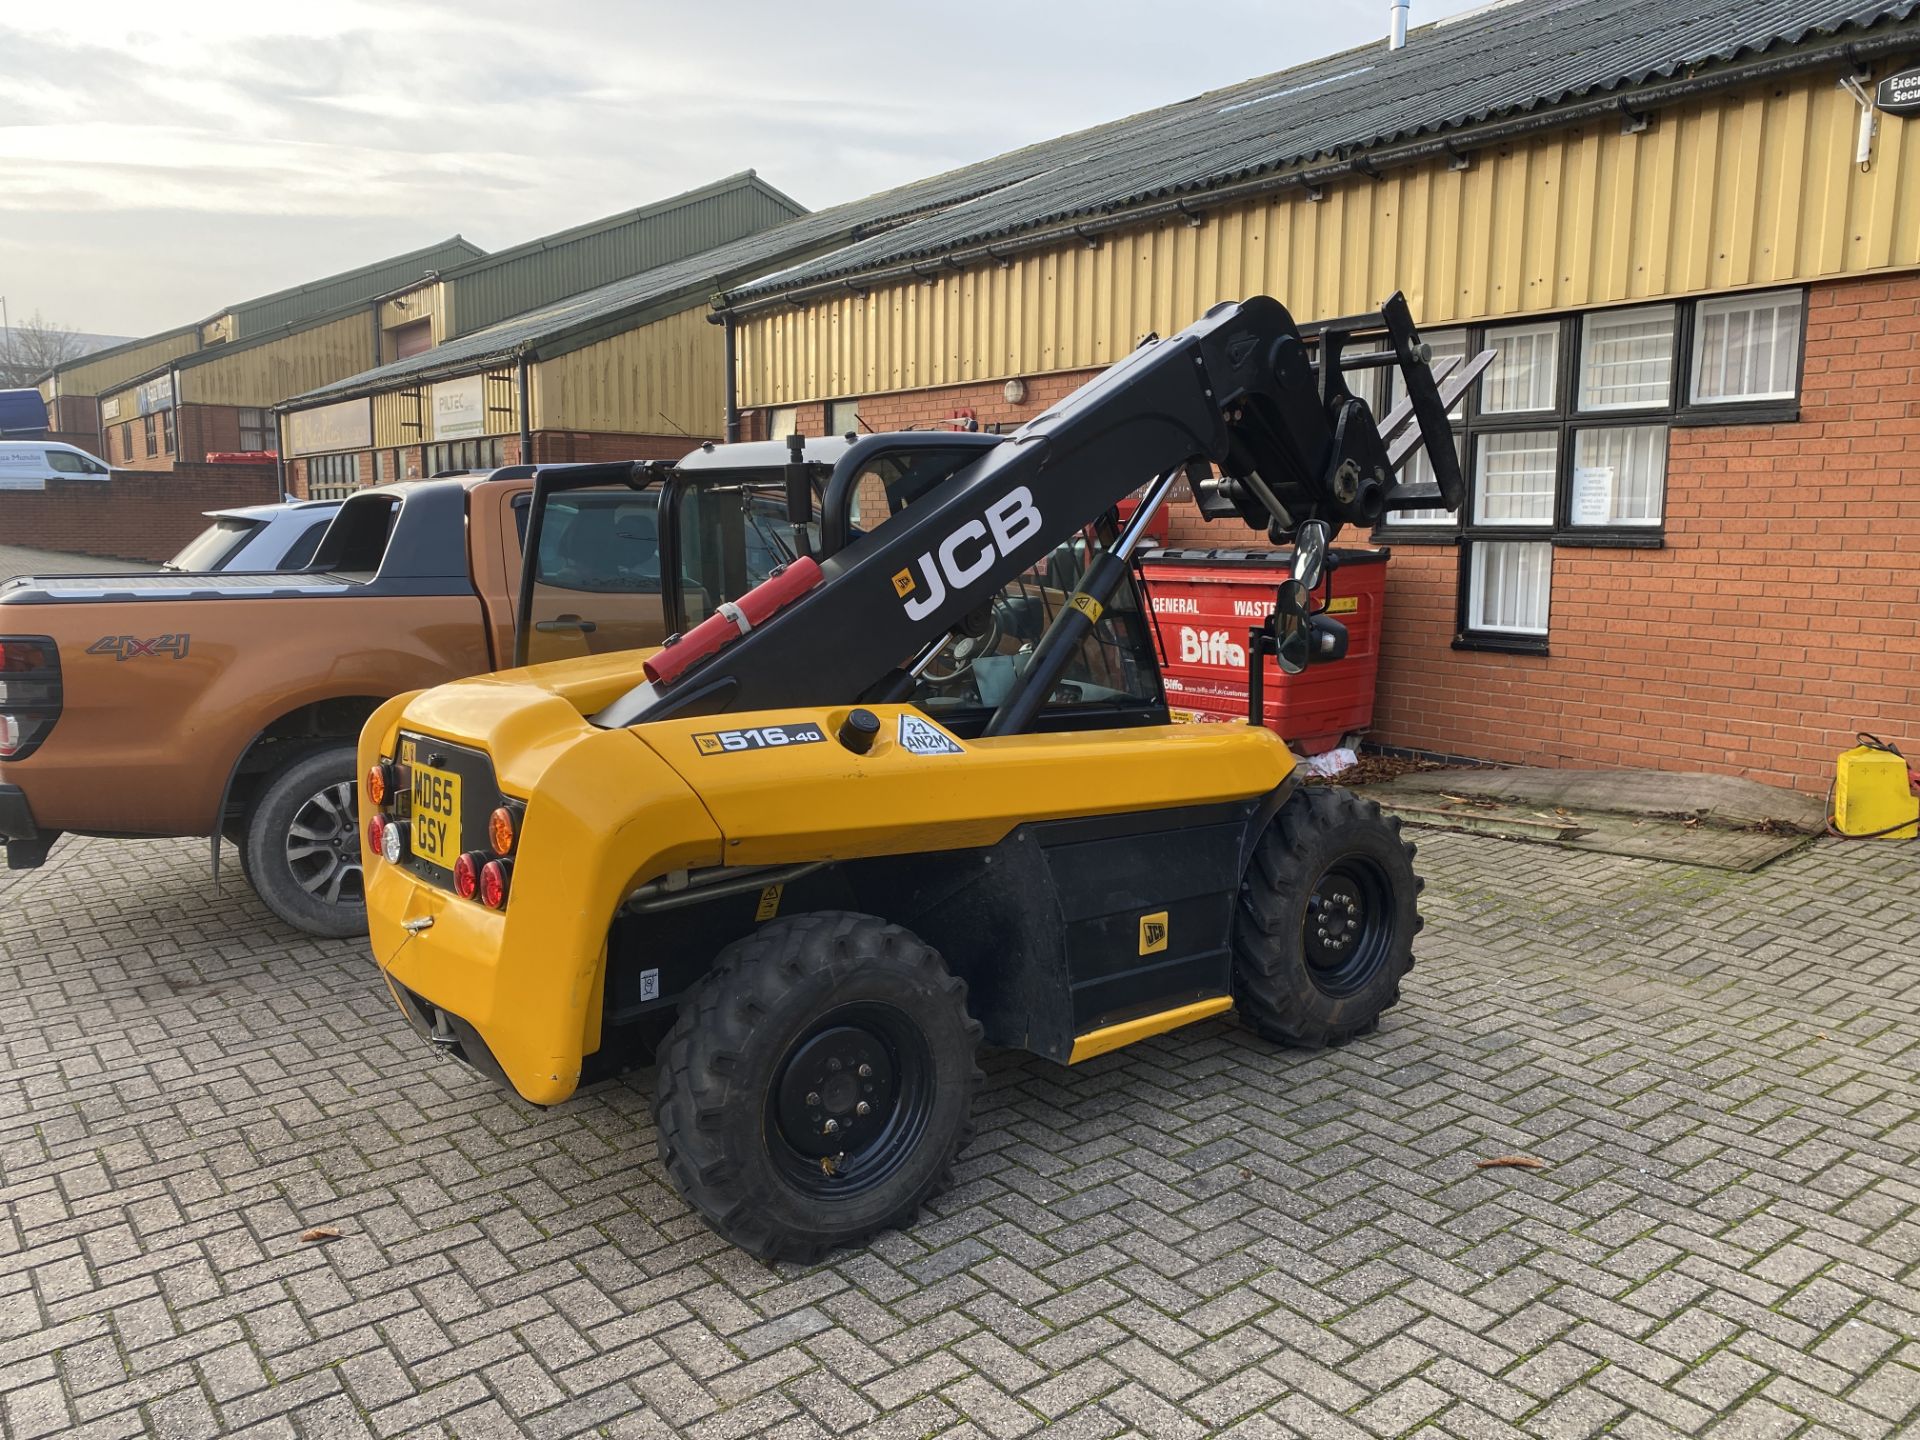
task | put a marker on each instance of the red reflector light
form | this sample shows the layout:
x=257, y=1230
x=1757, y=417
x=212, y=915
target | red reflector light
x=495, y=876
x=466, y=874
x=500, y=831
x=21, y=655
x=376, y=833
x=379, y=783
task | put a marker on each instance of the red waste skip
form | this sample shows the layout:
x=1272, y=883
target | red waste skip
x=1205, y=602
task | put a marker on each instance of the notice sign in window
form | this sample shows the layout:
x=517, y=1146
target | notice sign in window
x=1592, y=494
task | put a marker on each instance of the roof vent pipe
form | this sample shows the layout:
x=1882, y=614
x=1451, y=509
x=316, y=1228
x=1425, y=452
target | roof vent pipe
x=1397, y=26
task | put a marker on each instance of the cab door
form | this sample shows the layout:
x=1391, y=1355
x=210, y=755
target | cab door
x=591, y=575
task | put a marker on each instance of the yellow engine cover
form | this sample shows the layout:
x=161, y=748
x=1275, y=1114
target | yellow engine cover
x=1870, y=794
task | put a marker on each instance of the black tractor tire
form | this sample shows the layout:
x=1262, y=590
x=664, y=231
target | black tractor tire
x=1328, y=911
x=302, y=847
x=758, y=1083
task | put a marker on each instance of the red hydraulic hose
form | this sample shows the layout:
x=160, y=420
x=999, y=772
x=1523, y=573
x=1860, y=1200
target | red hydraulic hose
x=734, y=619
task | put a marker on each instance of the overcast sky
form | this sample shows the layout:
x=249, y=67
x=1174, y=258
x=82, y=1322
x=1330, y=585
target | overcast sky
x=159, y=162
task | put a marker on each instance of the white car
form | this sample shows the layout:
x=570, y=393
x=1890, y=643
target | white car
x=29, y=464
x=258, y=537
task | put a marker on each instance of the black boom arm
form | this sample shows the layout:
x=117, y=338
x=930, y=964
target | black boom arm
x=1242, y=388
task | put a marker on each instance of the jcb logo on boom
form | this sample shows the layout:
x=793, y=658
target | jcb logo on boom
x=968, y=553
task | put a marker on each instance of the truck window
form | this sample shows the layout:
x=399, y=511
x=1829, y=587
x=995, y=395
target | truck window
x=210, y=549
x=1114, y=670
x=356, y=542
x=596, y=580
x=732, y=537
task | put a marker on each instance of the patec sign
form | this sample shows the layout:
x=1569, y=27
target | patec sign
x=460, y=408
x=1900, y=94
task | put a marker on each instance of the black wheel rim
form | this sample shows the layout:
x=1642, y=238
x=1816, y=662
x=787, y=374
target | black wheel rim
x=850, y=1101
x=322, y=845
x=1348, y=926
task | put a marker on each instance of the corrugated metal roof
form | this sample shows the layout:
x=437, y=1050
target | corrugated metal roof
x=317, y=297
x=1502, y=60
x=512, y=281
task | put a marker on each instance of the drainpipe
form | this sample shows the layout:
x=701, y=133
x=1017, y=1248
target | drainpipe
x=732, y=431
x=280, y=450
x=1397, y=26
x=526, y=415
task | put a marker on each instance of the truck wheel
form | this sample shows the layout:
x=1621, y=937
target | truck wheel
x=302, y=851
x=1328, y=912
x=817, y=1084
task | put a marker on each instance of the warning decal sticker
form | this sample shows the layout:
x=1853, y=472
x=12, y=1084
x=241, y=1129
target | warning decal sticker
x=923, y=737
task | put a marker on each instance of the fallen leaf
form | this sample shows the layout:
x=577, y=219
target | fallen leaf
x=321, y=1232
x=1510, y=1162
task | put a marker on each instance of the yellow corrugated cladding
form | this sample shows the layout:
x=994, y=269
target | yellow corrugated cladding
x=1754, y=188
x=405, y=417
x=267, y=373
x=423, y=302
x=659, y=379
x=98, y=377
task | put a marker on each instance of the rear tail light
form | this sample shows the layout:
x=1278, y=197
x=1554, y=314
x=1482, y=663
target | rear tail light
x=500, y=828
x=379, y=783
x=393, y=841
x=377, y=834
x=466, y=874
x=31, y=695
x=496, y=876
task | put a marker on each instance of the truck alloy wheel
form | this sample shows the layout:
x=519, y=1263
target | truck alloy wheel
x=817, y=1084
x=1328, y=912
x=302, y=844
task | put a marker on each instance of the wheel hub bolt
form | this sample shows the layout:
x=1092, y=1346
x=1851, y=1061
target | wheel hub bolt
x=866, y=1072
x=833, y=1064
x=830, y=1127
x=862, y=1108
x=813, y=1097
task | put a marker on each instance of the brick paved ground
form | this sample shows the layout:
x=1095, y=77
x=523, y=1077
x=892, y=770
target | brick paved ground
x=1198, y=1236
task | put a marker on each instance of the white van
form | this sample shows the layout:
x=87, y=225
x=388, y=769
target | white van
x=29, y=464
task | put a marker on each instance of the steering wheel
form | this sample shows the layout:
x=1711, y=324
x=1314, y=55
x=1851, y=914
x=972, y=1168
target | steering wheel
x=974, y=636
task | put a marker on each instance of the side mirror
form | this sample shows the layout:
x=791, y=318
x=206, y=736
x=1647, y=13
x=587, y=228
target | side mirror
x=1310, y=542
x=1293, y=626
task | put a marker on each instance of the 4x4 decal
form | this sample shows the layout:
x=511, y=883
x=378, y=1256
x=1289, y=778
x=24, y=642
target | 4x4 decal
x=128, y=647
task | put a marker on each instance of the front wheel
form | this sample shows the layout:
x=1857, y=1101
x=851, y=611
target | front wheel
x=1328, y=911
x=817, y=1085
x=302, y=846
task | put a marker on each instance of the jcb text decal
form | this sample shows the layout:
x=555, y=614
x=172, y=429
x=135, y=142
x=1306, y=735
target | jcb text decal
x=757, y=737
x=1011, y=520
x=128, y=647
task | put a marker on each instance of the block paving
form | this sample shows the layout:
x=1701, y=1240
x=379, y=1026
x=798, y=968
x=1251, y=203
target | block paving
x=1202, y=1235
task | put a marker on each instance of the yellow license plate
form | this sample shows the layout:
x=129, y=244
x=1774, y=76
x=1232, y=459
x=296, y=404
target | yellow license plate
x=436, y=815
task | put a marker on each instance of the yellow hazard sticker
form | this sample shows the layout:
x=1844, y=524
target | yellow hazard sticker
x=903, y=583
x=1089, y=607
x=769, y=905
x=1153, y=933
x=1343, y=604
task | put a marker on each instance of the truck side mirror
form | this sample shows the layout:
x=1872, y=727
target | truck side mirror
x=1310, y=552
x=1293, y=626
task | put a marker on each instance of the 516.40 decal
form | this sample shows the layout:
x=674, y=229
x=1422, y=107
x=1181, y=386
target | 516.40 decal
x=129, y=647
x=757, y=737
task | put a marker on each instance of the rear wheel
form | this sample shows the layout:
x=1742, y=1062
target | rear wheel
x=817, y=1085
x=1328, y=912
x=302, y=847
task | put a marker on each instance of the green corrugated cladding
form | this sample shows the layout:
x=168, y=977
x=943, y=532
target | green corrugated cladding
x=511, y=282
x=317, y=297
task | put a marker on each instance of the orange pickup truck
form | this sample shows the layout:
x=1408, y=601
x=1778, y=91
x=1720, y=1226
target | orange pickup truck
x=227, y=705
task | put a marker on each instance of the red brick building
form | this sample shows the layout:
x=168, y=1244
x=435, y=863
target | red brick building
x=1694, y=466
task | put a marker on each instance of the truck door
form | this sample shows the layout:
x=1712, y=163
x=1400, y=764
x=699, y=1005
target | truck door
x=590, y=578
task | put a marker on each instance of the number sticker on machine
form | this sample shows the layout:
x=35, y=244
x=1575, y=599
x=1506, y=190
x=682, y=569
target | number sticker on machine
x=757, y=737
x=923, y=737
x=436, y=815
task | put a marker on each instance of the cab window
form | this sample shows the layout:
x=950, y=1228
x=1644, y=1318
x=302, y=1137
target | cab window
x=1113, y=675
x=596, y=579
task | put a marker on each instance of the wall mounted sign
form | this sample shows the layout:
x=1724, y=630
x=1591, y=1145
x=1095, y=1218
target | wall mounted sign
x=345, y=426
x=460, y=408
x=156, y=395
x=1900, y=94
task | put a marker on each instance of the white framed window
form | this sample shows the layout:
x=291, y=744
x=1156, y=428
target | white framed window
x=1510, y=586
x=1525, y=371
x=1419, y=470
x=1516, y=471
x=843, y=416
x=782, y=422
x=1746, y=348
x=1626, y=358
x=1619, y=475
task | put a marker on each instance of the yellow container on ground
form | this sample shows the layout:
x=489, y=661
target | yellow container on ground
x=1871, y=796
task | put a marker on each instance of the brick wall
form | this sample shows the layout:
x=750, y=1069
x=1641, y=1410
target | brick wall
x=1782, y=615
x=132, y=516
